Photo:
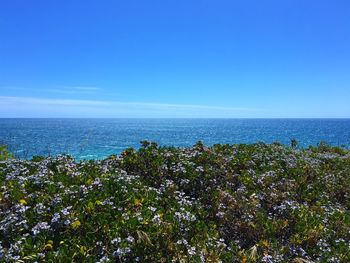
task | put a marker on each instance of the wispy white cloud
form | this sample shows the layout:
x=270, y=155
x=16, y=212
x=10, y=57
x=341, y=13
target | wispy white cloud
x=86, y=88
x=80, y=90
x=103, y=108
x=47, y=101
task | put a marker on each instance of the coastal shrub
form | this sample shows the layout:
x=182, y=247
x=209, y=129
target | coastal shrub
x=4, y=153
x=225, y=203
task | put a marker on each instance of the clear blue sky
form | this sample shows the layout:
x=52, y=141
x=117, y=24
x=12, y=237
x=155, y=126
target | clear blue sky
x=173, y=58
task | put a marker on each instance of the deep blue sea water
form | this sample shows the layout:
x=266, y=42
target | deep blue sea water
x=98, y=138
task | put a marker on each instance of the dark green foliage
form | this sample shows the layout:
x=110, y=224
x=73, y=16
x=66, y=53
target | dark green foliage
x=294, y=143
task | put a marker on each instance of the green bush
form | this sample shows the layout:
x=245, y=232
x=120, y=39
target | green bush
x=4, y=153
x=225, y=203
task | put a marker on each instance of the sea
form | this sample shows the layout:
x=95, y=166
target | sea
x=100, y=138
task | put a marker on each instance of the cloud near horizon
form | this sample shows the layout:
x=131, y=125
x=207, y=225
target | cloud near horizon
x=14, y=106
x=79, y=90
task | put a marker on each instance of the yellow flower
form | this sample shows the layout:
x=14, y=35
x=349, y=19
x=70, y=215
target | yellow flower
x=83, y=250
x=88, y=182
x=48, y=246
x=138, y=202
x=23, y=202
x=144, y=222
x=76, y=224
x=265, y=243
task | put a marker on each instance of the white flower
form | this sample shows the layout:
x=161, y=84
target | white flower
x=156, y=219
x=191, y=251
x=40, y=226
x=220, y=214
x=55, y=218
x=66, y=210
x=125, y=216
x=104, y=259
x=130, y=239
x=153, y=209
x=115, y=241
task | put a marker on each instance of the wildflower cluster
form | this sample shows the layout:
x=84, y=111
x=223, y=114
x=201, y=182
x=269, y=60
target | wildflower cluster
x=225, y=203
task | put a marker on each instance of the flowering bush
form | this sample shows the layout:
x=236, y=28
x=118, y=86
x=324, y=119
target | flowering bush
x=225, y=203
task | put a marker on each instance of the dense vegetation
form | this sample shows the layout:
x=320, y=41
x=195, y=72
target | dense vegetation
x=4, y=153
x=228, y=203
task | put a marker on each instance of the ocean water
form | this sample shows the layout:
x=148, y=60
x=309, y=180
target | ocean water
x=99, y=138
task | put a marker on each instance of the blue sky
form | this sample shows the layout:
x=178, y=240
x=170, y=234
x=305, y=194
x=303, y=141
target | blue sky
x=170, y=58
